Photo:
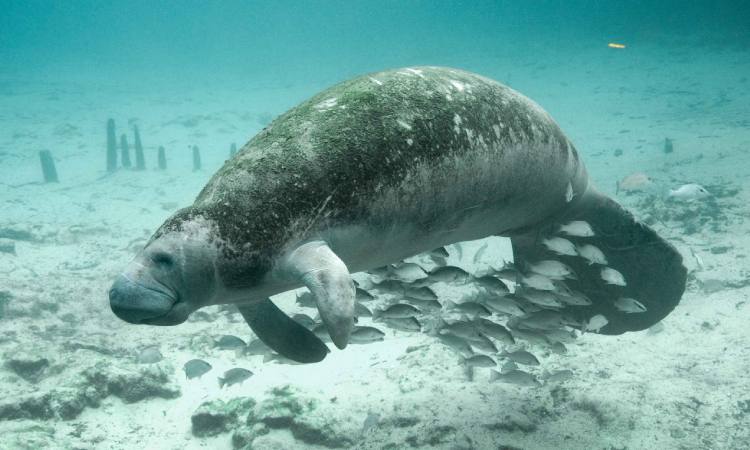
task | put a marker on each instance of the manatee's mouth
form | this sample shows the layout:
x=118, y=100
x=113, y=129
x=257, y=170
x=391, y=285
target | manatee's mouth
x=139, y=303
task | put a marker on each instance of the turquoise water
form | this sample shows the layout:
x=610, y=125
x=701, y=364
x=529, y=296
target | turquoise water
x=653, y=95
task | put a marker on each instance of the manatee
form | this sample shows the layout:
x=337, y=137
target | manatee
x=372, y=171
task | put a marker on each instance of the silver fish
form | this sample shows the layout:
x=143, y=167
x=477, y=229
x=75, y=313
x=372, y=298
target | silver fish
x=611, y=276
x=561, y=288
x=541, y=298
x=521, y=357
x=559, y=348
x=480, y=361
x=449, y=274
x=471, y=309
x=559, y=376
x=508, y=366
x=574, y=298
x=321, y=332
x=392, y=286
x=425, y=305
x=529, y=307
x=508, y=273
x=404, y=324
x=149, y=355
x=365, y=335
x=229, y=342
x=596, y=323
x=560, y=335
x=363, y=296
x=689, y=193
x=503, y=305
x=656, y=328
x=456, y=344
x=306, y=299
x=483, y=344
x=531, y=336
x=234, y=376
x=542, y=320
x=361, y=310
x=592, y=254
x=492, y=284
x=478, y=255
x=495, y=331
x=552, y=269
x=634, y=182
x=397, y=311
x=407, y=272
x=537, y=281
x=518, y=377
x=629, y=305
x=196, y=368
x=459, y=250
x=559, y=245
x=439, y=252
x=380, y=272
x=438, y=261
x=257, y=347
x=304, y=320
x=577, y=228
x=420, y=293
x=461, y=329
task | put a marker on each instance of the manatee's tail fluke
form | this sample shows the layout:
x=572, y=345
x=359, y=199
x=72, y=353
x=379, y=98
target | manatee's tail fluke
x=282, y=334
x=639, y=280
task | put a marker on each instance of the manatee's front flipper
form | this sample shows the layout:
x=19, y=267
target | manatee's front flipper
x=282, y=334
x=652, y=268
x=326, y=276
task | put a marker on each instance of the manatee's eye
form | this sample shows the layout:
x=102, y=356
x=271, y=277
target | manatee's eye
x=163, y=259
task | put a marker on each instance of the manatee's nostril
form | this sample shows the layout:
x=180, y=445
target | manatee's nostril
x=163, y=258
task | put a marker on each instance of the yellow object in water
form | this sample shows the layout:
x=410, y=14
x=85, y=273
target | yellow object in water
x=615, y=45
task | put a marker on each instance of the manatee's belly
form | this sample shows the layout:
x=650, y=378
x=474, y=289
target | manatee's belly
x=363, y=247
x=486, y=193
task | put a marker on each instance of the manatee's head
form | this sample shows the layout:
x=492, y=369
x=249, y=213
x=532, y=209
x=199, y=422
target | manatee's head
x=171, y=277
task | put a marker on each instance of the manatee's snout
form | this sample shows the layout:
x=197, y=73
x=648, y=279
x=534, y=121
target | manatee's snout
x=340, y=330
x=138, y=303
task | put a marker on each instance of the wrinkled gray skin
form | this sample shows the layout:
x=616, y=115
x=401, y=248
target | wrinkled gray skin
x=366, y=173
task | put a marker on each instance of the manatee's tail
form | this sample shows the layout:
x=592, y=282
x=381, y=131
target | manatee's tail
x=652, y=268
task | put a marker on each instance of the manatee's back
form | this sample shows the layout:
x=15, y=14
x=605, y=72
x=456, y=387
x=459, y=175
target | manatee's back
x=402, y=137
